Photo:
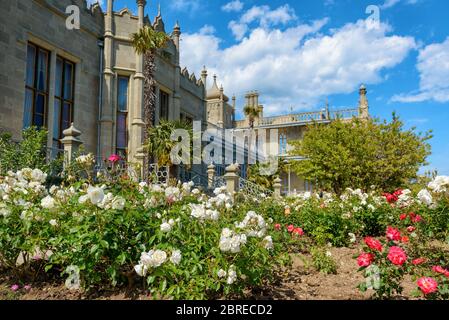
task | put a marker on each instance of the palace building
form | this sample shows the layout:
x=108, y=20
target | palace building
x=51, y=77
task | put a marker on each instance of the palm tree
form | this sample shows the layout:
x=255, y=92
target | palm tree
x=159, y=142
x=146, y=42
x=252, y=112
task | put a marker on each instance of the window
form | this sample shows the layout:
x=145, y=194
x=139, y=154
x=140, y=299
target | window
x=64, y=92
x=187, y=119
x=282, y=143
x=122, y=117
x=36, y=86
x=163, y=105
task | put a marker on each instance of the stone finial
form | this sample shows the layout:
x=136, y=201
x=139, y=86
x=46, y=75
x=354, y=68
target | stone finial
x=71, y=143
x=141, y=3
x=277, y=185
x=232, y=179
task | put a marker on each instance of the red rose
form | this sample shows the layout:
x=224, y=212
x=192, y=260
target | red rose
x=405, y=239
x=417, y=218
x=418, y=261
x=398, y=192
x=411, y=229
x=427, y=285
x=391, y=198
x=440, y=269
x=290, y=228
x=277, y=226
x=298, y=232
x=365, y=259
x=373, y=243
x=393, y=234
x=402, y=217
x=397, y=256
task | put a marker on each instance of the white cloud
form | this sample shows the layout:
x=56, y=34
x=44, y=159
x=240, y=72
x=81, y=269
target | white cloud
x=433, y=67
x=185, y=5
x=298, y=66
x=391, y=3
x=90, y=2
x=233, y=6
x=264, y=17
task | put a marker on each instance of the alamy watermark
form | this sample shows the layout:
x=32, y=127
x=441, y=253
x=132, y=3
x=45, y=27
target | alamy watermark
x=226, y=146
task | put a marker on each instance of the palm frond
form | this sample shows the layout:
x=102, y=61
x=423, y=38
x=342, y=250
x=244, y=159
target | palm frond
x=148, y=40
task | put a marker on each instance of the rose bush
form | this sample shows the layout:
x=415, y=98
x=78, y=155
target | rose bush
x=181, y=242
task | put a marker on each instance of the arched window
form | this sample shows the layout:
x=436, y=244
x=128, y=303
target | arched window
x=282, y=143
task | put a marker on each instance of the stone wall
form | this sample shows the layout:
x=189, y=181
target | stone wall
x=43, y=23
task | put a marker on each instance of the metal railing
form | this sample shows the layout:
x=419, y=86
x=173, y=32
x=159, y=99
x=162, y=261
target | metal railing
x=301, y=118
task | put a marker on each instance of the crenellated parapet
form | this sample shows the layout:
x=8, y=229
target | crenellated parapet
x=191, y=78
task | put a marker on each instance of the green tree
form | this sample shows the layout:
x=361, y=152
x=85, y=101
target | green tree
x=146, y=42
x=361, y=153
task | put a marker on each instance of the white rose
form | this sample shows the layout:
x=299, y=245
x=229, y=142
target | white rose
x=425, y=197
x=48, y=202
x=118, y=203
x=96, y=195
x=158, y=258
x=165, y=227
x=221, y=273
x=176, y=257
x=141, y=269
x=53, y=222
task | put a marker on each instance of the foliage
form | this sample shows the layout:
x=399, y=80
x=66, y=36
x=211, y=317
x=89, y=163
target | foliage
x=361, y=153
x=159, y=142
x=29, y=152
x=322, y=260
x=257, y=176
x=252, y=112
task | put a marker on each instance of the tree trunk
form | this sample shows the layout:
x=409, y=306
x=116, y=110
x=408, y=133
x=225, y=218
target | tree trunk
x=149, y=106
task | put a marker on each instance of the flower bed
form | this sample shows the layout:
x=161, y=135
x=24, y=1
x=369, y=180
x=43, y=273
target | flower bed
x=179, y=243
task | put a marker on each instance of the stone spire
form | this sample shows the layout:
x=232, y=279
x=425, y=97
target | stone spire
x=204, y=76
x=158, y=24
x=363, y=103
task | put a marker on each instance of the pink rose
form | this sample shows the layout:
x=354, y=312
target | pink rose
x=290, y=228
x=114, y=158
x=427, y=285
x=418, y=261
x=373, y=243
x=411, y=229
x=277, y=226
x=15, y=287
x=440, y=269
x=298, y=232
x=397, y=256
x=393, y=234
x=365, y=259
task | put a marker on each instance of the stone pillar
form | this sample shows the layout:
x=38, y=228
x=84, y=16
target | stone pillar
x=277, y=187
x=71, y=144
x=137, y=123
x=108, y=110
x=210, y=176
x=232, y=179
x=176, y=94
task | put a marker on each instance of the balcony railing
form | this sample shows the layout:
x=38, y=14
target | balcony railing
x=301, y=118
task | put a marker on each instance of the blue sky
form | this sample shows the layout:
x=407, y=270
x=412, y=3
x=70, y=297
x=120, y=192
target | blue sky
x=300, y=53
